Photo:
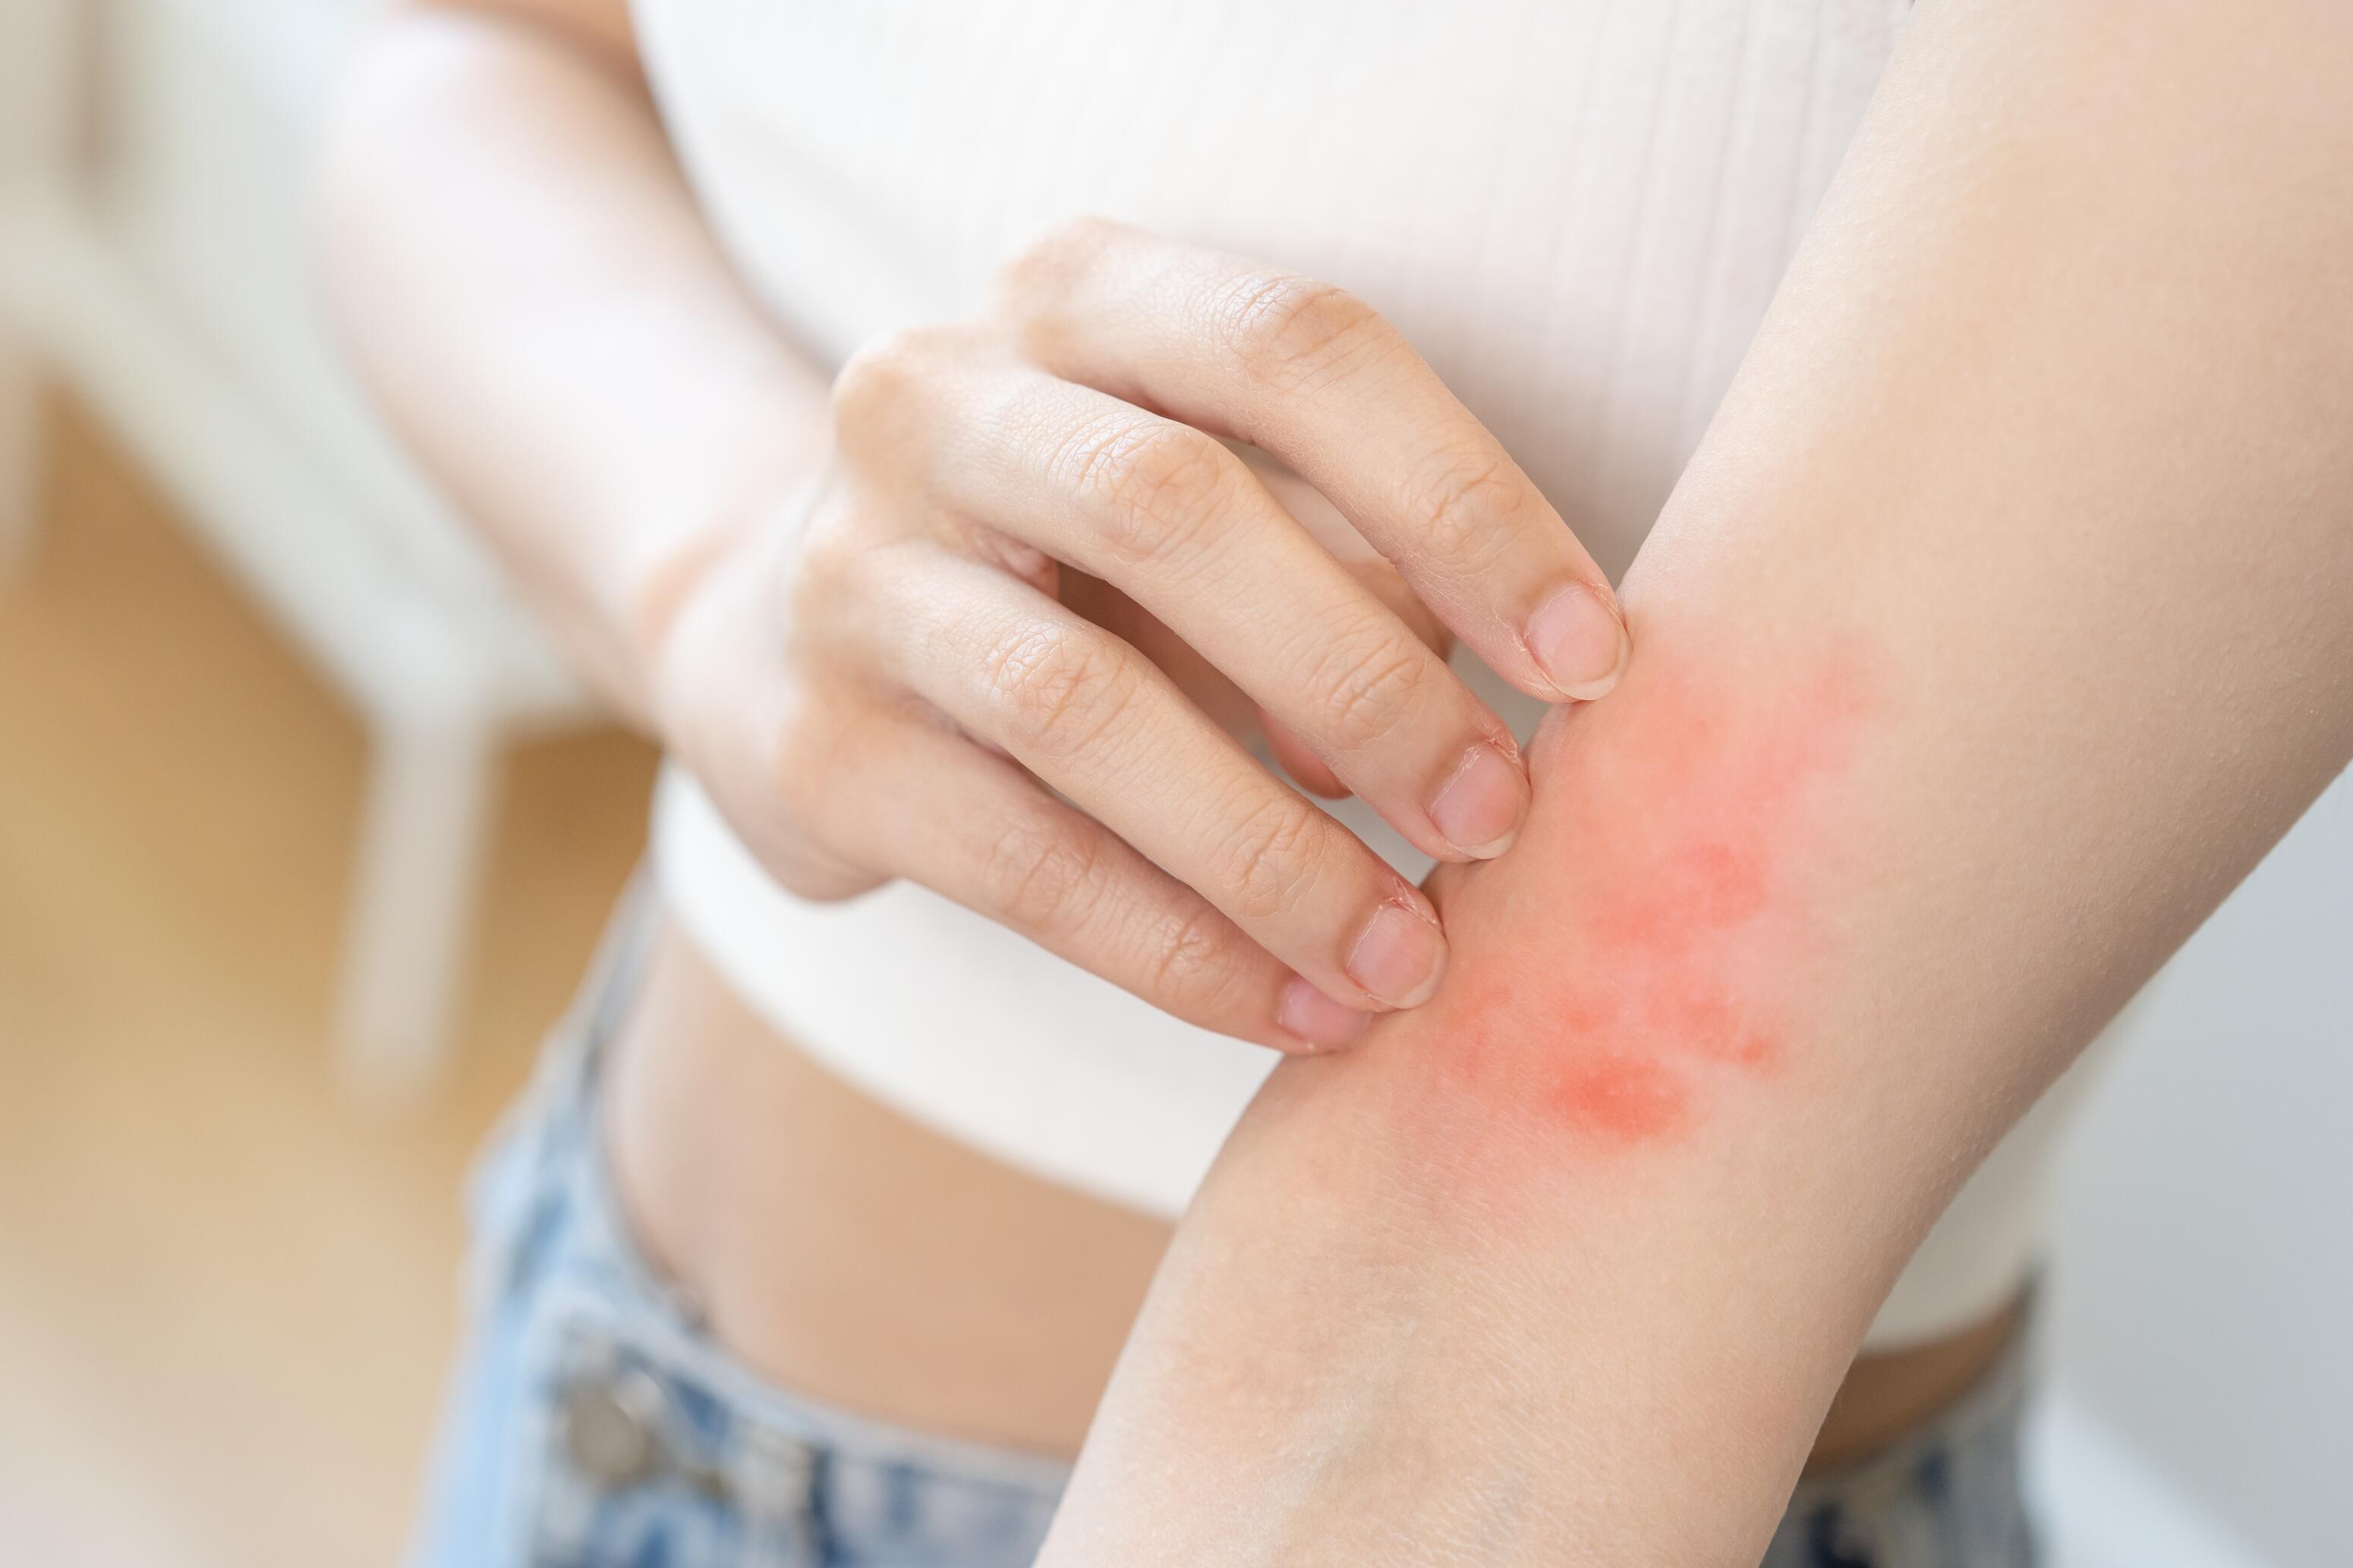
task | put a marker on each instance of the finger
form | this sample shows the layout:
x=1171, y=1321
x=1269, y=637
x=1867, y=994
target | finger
x=1381, y=580
x=1307, y=770
x=1097, y=723
x=1446, y=883
x=1298, y=759
x=974, y=829
x=1181, y=525
x=1194, y=675
x=1319, y=379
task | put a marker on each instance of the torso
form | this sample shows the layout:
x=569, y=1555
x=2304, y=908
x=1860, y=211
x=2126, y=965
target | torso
x=1576, y=211
x=849, y=1251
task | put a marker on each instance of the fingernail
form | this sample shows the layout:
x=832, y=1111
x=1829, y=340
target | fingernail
x=1479, y=807
x=1399, y=957
x=1316, y=1018
x=1578, y=641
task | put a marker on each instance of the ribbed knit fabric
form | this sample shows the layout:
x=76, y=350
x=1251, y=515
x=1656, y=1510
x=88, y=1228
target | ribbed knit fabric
x=1576, y=209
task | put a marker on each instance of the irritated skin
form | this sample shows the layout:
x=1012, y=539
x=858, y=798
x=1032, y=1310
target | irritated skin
x=2048, y=419
x=1690, y=872
x=1641, y=987
x=1996, y=630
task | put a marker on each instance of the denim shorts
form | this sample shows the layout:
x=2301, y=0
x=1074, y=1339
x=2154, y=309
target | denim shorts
x=593, y=1423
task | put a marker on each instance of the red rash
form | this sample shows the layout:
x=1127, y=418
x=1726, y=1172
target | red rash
x=1662, y=927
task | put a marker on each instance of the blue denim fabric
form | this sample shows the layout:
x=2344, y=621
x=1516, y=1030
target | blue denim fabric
x=593, y=1425
x=1946, y=1495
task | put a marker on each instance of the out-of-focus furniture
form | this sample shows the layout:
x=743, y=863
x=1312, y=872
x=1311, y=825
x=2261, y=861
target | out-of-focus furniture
x=153, y=159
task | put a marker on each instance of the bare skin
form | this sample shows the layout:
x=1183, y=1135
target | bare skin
x=2022, y=477
x=760, y=1182
x=994, y=609
x=2012, y=585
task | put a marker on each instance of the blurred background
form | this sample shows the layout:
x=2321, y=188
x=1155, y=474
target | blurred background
x=304, y=838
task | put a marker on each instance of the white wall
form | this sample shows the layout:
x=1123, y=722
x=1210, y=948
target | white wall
x=2202, y=1296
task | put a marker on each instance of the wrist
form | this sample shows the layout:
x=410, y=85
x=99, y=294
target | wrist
x=712, y=539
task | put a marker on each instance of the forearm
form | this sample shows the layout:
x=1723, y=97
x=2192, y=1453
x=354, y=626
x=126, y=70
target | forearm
x=1998, y=628
x=521, y=274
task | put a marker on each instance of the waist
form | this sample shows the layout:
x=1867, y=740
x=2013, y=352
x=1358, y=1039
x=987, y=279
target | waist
x=846, y=1250
x=958, y=1023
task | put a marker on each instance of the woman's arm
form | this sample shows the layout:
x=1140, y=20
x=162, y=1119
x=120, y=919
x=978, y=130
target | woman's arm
x=2004, y=620
x=957, y=615
x=520, y=272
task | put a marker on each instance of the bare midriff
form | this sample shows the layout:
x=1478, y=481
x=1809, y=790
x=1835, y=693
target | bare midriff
x=842, y=1250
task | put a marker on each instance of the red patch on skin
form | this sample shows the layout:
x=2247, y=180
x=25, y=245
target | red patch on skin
x=1633, y=1097
x=1683, y=828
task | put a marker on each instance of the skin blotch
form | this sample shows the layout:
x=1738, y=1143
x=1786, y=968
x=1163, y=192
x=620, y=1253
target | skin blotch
x=1623, y=1097
x=1667, y=921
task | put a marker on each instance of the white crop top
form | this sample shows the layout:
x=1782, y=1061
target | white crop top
x=1576, y=209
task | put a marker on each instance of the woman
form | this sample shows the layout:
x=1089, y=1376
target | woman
x=959, y=551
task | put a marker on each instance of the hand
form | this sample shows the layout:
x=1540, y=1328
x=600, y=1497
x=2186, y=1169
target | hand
x=893, y=677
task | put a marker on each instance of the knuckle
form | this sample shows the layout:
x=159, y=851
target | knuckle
x=878, y=380
x=1292, y=333
x=1044, y=268
x=1267, y=860
x=1191, y=962
x=845, y=571
x=1371, y=685
x=886, y=382
x=1153, y=486
x=1036, y=875
x=1054, y=690
x=1469, y=506
x=834, y=543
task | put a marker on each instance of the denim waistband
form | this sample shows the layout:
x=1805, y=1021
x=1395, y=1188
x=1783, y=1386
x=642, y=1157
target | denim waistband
x=628, y=1418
